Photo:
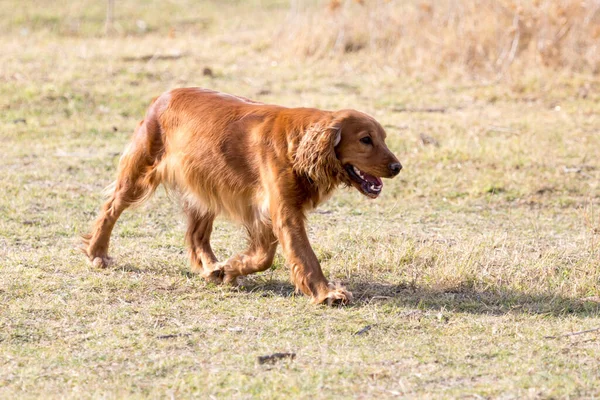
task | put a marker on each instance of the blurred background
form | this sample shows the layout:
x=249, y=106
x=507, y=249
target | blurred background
x=479, y=38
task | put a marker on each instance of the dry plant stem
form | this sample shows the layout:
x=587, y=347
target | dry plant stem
x=108, y=25
x=573, y=333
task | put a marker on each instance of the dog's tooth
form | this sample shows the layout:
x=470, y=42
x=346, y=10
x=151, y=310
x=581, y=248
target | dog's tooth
x=358, y=172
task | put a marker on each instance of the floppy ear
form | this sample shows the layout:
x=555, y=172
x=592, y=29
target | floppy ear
x=315, y=156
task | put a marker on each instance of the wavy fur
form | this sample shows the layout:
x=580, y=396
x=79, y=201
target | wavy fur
x=315, y=157
x=262, y=165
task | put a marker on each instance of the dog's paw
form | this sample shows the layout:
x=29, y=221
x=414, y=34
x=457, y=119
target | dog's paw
x=231, y=275
x=231, y=270
x=337, y=296
x=101, y=261
x=216, y=275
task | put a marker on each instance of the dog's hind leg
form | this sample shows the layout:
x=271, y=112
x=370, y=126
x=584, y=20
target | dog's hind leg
x=202, y=257
x=257, y=258
x=137, y=180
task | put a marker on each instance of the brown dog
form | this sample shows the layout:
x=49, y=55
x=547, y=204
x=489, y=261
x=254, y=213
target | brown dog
x=263, y=165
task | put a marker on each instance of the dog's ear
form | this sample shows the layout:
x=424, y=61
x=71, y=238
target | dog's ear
x=315, y=155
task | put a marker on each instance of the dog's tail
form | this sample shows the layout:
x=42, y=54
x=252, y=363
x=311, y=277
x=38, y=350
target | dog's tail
x=137, y=172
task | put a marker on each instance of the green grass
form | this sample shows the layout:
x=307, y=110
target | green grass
x=483, y=246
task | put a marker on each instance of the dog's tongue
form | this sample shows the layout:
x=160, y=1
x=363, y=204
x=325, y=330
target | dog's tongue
x=372, y=179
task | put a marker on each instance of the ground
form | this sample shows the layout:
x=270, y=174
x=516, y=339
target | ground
x=466, y=272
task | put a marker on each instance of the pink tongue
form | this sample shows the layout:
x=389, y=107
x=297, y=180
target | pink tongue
x=372, y=179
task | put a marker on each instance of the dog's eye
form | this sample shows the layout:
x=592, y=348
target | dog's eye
x=366, y=140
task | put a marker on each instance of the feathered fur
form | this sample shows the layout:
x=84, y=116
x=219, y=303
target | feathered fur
x=315, y=157
x=262, y=165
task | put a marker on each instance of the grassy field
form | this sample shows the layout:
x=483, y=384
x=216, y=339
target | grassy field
x=466, y=272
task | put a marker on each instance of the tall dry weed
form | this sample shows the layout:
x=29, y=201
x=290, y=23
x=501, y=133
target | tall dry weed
x=478, y=36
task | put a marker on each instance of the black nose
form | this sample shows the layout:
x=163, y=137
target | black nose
x=395, y=168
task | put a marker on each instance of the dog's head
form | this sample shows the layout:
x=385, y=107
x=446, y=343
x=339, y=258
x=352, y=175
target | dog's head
x=348, y=147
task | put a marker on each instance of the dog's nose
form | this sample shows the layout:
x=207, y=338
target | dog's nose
x=395, y=168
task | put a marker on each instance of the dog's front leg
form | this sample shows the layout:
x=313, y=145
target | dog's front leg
x=306, y=273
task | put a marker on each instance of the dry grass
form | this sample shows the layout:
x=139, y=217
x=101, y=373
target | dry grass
x=485, y=244
x=482, y=37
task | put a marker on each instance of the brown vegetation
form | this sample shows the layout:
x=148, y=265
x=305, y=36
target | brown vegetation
x=478, y=36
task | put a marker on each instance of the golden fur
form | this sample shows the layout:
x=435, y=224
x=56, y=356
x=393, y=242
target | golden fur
x=263, y=165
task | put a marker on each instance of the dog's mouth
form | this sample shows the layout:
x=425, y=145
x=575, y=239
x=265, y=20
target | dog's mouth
x=368, y=185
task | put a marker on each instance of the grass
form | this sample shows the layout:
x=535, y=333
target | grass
x=486, y=244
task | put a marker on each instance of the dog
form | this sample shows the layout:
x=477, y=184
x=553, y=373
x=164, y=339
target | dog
x=262, y=165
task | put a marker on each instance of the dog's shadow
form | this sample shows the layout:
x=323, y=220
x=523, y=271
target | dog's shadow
x=462, y=298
